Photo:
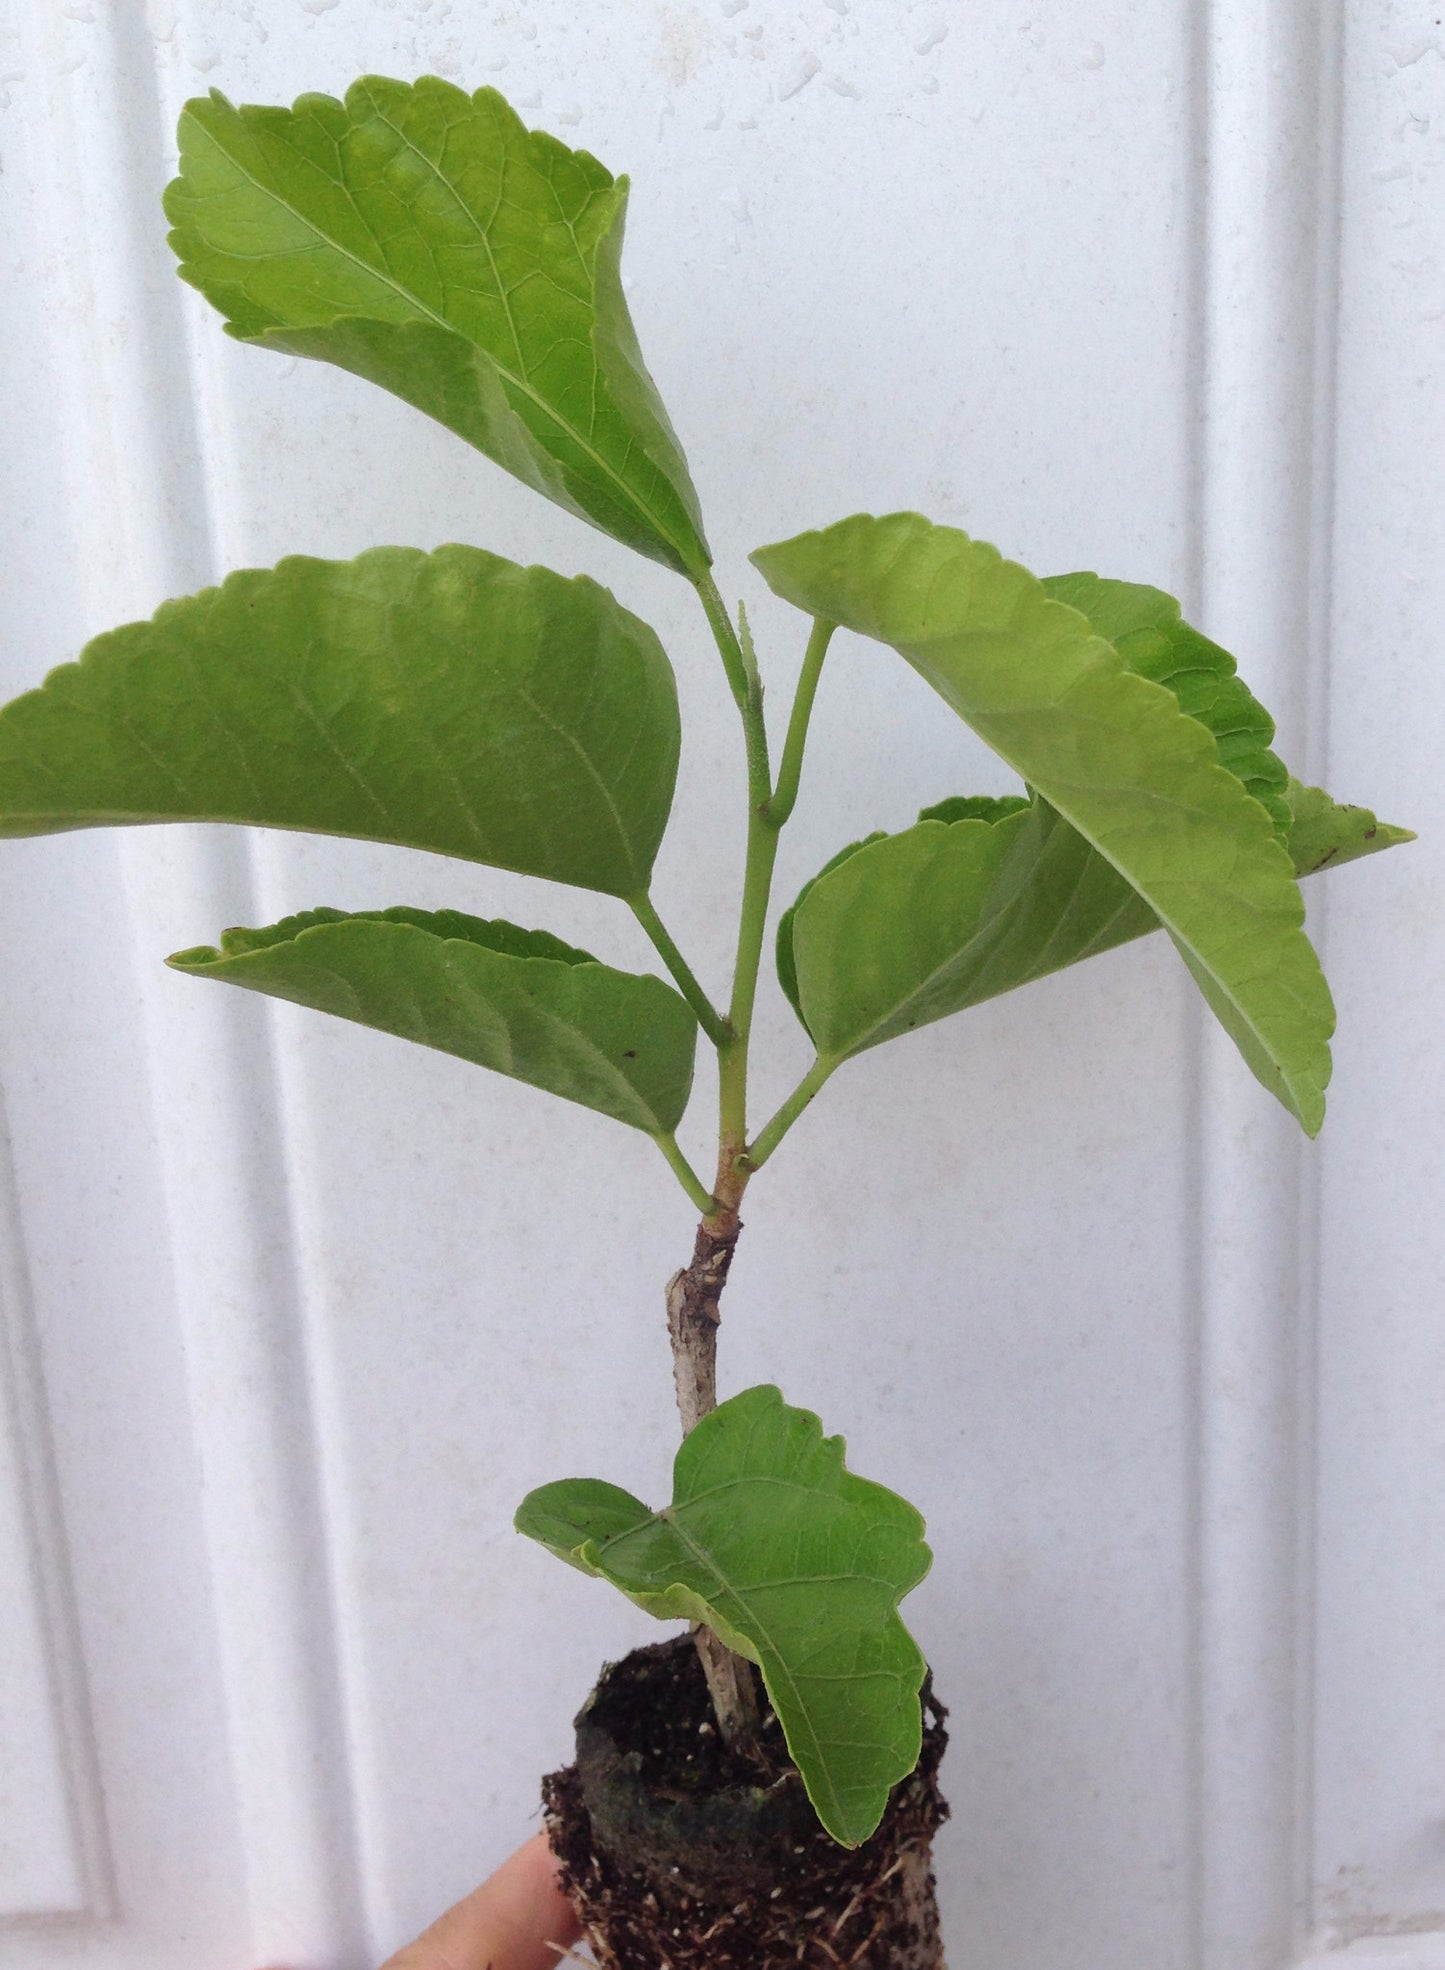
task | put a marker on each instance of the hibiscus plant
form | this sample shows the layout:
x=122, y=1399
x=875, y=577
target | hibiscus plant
x=458, y=703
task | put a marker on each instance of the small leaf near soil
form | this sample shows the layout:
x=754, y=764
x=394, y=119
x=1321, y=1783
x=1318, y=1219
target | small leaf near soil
x=519, y=1001
x=1111, y=751
x=451, y=701
x=797, y=1564
x=426, y=240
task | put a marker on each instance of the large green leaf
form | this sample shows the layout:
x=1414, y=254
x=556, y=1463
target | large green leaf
x=450, y=701
x=519, y=1001
x=797, y=1564
x=982, y=896
x=941, y=919
x=424, y=239
x=1111, y=751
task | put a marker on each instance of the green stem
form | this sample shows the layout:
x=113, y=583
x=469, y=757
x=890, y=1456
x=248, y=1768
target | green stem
x=768, y=1138
x=769, y=808
x=762, y=853
x=747, y=688
x=709, y=1018
x=686, y=1175
x=790, y=767
x=725, y=636
x=762, y=848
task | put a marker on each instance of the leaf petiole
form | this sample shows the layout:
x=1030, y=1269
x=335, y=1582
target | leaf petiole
x=762, y=853
x=726, y=638
x=790, y=767
x=740, y=663
x=686, y=1175
x=769, y=1137
x=708, y=1016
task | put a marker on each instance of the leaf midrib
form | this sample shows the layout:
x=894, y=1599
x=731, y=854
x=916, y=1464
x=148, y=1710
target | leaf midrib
x=668, y=1515
x=414, y=302
x=580, y=1045
x=504, y=293
x=594, y=774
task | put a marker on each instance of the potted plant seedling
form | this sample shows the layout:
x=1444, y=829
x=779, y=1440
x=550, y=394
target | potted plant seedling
x=762, y=1791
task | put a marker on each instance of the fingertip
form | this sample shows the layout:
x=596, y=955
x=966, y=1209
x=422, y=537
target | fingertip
x=519, y=1919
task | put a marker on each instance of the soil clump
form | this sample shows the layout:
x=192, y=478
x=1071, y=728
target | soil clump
x=680, y=1855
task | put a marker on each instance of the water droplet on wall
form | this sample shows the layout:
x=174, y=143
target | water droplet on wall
x=926, y=42
x=1093, y=55
x=318, y=6
x=732, y=7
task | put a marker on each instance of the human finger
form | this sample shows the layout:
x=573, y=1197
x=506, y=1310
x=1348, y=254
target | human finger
x=519, y=1919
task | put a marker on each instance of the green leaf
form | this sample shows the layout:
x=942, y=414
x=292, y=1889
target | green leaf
x=964, y=807
x=1322, y=833
x=975, y=807
x=424, y=239
x=787, y=964
x=982, y=896
x=1110, y=751
x=519, y=1001
x=797, y=1564
x=450, y=701
x=1145, y=627
x=915, y=926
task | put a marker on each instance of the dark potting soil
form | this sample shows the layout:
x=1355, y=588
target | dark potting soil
x=680, y=1855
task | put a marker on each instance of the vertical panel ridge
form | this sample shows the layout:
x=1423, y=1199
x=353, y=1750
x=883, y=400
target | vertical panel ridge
x=69, y=1848
x=211, y=1077
x=1270, y=135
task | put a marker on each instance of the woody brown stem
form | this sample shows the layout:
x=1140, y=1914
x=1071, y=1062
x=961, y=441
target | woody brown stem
x=692, y=1324
x=692, y=1316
